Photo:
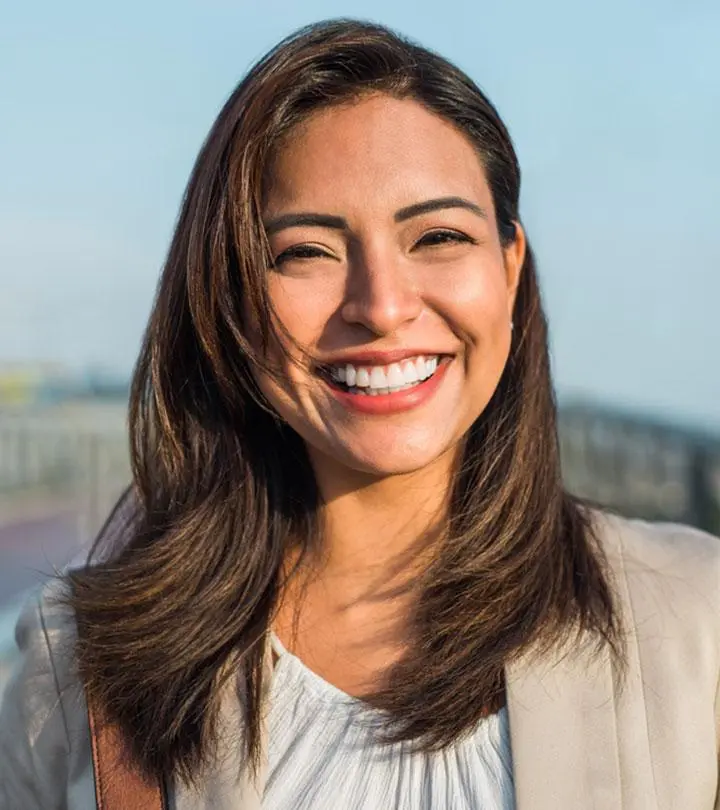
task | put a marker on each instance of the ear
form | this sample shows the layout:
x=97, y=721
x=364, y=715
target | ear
x=514, y=257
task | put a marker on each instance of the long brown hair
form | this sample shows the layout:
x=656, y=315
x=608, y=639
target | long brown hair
x=222, y=486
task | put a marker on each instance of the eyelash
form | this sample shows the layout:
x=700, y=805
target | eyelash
x=447, y=237
x=299, y=252
x=311, y=252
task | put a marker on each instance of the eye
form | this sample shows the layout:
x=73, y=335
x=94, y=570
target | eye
x=444, y=237
x=299, y=252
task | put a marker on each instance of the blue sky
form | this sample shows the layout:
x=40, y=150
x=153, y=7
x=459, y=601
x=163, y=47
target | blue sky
x=614, y=108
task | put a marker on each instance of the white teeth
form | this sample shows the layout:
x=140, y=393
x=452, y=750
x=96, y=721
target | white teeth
x=378, y=378
x=409, y=372
x=386, y=379
x=395, y=376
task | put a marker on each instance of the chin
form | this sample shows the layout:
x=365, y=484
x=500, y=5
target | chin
x=400, y=461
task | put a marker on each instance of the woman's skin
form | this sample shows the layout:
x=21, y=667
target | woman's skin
x=380, y=276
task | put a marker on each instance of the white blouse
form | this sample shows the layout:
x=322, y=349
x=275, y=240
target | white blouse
x=323, y=755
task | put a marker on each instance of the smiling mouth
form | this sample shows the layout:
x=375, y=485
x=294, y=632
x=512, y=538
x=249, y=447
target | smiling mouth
x=374, y=381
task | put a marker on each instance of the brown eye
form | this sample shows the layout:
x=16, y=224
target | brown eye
x=299, y=252
x=435, y=238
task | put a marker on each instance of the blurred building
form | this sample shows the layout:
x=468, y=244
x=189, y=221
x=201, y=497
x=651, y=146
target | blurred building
x=641, y=467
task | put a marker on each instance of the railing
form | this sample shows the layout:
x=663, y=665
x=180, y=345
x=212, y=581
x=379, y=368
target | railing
x=78, y=454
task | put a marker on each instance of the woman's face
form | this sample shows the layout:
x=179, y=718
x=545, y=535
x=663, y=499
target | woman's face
x=388, y=268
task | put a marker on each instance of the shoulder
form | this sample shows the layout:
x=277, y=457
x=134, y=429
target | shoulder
x=668, y=550
x=44, y=738
x=667, y=576
x=666, y=579
x=45, y=637
x=657, y=545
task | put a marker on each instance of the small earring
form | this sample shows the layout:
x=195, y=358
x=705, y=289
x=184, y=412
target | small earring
x=512, y=326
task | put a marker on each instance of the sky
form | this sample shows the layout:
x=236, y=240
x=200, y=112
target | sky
x=614, y=108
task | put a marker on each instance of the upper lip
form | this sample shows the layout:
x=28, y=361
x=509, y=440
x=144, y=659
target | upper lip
x=379, y=358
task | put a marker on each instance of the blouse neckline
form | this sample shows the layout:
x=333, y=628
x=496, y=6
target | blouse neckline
x=289, y=665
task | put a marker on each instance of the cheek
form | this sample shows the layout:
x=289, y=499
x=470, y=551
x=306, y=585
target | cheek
x=477, y=302
x=303, y=307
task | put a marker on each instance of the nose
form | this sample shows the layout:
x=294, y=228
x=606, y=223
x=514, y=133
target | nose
x=381, y=294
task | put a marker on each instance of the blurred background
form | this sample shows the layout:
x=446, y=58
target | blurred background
x=615, y=112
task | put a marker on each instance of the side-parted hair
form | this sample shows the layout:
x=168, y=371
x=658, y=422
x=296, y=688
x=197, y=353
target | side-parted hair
x=222, y=488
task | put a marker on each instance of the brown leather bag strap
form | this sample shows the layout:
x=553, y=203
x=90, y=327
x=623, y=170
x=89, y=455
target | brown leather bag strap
x=118, y=784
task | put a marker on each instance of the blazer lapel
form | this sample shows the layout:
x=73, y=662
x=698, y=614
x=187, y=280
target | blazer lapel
x=563, y=732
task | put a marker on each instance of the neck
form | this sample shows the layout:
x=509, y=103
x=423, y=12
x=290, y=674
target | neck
x=378, y=532
x=357, y=588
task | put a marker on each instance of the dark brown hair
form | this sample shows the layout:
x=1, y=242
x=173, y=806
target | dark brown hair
x=222, y=486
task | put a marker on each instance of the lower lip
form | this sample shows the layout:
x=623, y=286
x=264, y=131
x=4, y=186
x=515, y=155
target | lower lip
x=398, y=401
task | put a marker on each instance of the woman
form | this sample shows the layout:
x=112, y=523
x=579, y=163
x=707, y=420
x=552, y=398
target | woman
x=347, y=574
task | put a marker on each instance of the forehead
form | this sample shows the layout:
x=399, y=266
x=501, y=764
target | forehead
x=379, y=151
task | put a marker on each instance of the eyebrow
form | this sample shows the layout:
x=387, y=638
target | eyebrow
x=299, y=220
x=438, y=205
x=340, y=223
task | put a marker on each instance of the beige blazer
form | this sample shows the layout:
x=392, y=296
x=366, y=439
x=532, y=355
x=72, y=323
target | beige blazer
x=577, y=740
